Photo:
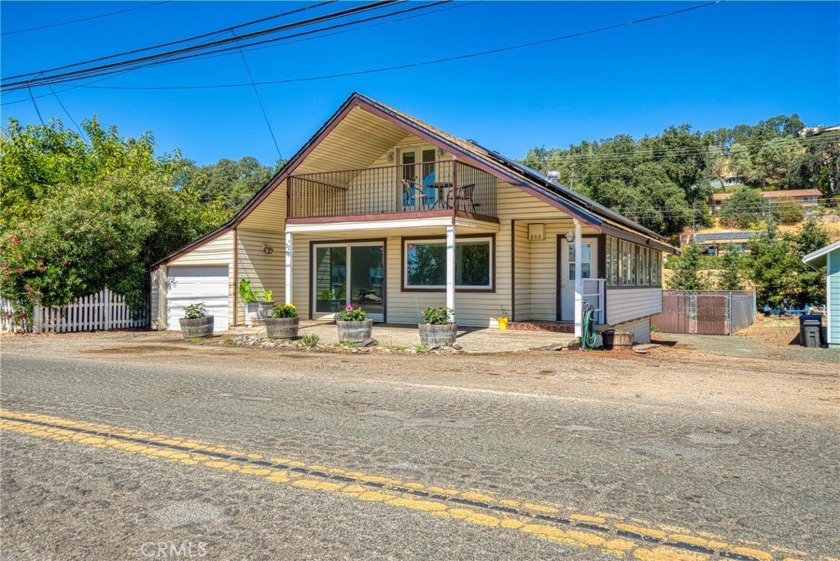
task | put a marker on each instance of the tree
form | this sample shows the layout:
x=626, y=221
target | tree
x=773, y=267
x=232, y=182
x=787, y=211
x=730, y=265
x=686, y=268
x=811, y=286
x=743, y=209
x=80, y=216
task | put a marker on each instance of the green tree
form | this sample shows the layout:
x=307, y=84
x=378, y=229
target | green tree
x=811, y=285
x=79, y=216
x=686, y=268
x=774, y=267
x=787, y=211
x=743, y=209
x=730, y=266
x=233, y=182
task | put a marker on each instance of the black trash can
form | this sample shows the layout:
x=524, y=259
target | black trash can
x=810, y=331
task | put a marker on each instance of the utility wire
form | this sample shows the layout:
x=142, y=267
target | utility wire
x=428, y=62
x=190, y=51
x=177, y=41
x=72, y=120
x=38, y=111
x=259, y=100
x=109, y=14
x=244, y=49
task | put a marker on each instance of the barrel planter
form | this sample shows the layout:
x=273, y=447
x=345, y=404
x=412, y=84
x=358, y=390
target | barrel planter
x=438, y=335
x=617, y=339
x=282, y=328
x=197, y=328
x=354, y=331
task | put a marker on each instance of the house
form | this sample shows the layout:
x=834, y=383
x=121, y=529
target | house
x=381, y=210
x=718, y=242
x=829, y=257
x=807, y=198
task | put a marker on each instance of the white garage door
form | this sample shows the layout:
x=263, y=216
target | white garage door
x=189, y=285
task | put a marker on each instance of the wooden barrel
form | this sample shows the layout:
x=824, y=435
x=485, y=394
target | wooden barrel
x=438, y=335
x=197, y=328
x=282, y=328
x=614, y=339
x=354, y=331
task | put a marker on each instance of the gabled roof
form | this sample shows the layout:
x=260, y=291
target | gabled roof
x=820, y=256
x=523, y=177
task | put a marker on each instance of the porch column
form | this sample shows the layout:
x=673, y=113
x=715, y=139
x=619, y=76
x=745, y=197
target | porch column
x=289, y=246
x=450, y=269
x=578, y=283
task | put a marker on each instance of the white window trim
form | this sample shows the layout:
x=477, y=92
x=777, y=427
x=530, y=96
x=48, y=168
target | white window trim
x=442, y=241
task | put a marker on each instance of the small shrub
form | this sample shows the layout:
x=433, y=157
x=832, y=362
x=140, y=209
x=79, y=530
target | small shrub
x=437, y=315
x=352, y=314
x=310, y=340
x=246, y=292
x=268, y=296
x=281, y=311
x=195, y=311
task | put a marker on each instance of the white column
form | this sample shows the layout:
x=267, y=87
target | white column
x=289, y=247
x=450, y=269
x=578, y=283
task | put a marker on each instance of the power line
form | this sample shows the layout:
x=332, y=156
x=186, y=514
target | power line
x=79, y=20
x=259, y=101
x=190, y=51
x=72, y=120
x=177, y=41
x=428, y=62
x=452, y=6
x=38, y=111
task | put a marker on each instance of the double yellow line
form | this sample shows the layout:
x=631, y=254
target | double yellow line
x=609, y=534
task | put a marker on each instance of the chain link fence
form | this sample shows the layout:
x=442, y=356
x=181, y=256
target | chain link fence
x=705, y=312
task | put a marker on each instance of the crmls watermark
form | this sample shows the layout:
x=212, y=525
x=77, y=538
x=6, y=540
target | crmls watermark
x=173, y=550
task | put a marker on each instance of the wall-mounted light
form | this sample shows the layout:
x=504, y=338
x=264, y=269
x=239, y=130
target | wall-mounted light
x=440, y=152
x=390, y=157
x=267, y=249
x=570, y=237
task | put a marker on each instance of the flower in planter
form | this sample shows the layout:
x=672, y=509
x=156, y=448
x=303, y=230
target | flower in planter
x=195, y=311
x=352, y=314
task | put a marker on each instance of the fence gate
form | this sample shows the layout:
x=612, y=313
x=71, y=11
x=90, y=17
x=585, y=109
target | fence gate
x=706, y=312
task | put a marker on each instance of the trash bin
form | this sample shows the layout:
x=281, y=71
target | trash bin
x=810, y=330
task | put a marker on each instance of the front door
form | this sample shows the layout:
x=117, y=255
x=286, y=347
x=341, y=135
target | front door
x=348, y=274
x=566, y=273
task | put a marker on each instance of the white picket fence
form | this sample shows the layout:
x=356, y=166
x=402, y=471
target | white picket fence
x=102, y=311
x=6, y=311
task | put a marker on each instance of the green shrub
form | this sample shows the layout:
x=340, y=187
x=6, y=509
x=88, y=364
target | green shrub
x=437, y=315
x=788, y=211
x=281, y=311
x=310, y=340
x=195, y=311
x=268, y=296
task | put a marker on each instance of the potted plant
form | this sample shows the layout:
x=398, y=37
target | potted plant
x=196, y=322
x=283, y=323
x=354, y=326
x=266, y=305
x=503, y=319
x=249, y=297
x=438, y=329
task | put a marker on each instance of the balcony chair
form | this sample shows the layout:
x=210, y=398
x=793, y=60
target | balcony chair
x=411, y=191
x=464, y=197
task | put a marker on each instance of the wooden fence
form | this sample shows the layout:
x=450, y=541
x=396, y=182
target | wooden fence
x=102, y=311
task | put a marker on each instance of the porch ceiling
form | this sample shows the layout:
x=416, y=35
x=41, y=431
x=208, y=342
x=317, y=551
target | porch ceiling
x=355, y=142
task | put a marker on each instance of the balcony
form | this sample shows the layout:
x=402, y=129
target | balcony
x=412, y=190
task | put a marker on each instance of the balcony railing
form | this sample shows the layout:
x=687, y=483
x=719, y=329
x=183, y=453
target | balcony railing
x=422, y=187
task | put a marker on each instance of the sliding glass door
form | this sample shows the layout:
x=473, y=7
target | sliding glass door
x=346, y=274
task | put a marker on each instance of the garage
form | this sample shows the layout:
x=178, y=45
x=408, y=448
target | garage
x=189, y=285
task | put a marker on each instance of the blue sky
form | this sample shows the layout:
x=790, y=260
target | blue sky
x=736, y=62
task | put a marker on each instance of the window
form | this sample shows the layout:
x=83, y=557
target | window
x=644, y=270
x=425, y=264
x=655, y=266
x=612, y=261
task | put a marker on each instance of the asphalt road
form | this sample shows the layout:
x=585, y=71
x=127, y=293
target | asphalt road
x=741, y=479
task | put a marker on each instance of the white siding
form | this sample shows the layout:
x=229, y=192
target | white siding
x=265, y=271
x=215, y=252
x=625, y=304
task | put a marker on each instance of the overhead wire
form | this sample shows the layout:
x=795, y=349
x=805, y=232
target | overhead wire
x=188, y=52
x=79, y=20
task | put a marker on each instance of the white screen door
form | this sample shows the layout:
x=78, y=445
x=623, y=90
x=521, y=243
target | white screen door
x=566, y=273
